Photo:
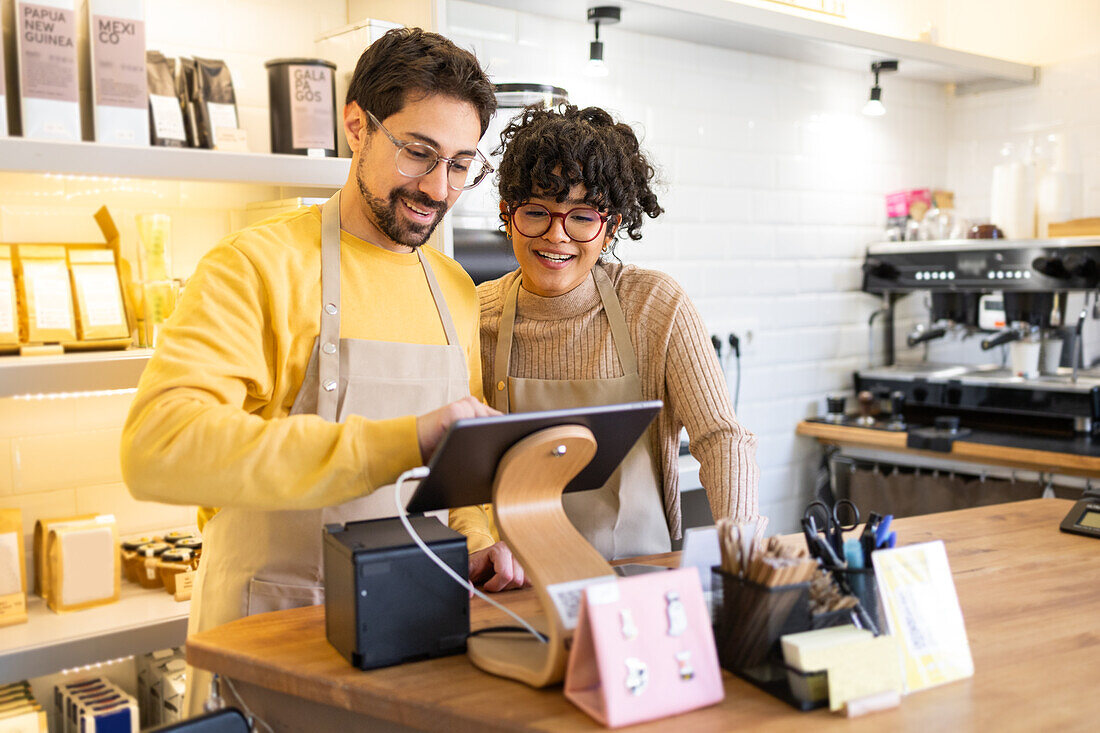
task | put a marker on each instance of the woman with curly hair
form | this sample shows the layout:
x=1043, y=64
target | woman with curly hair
x=574, y=327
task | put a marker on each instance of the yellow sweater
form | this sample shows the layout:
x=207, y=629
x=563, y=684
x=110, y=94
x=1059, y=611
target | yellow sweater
x=209, y=424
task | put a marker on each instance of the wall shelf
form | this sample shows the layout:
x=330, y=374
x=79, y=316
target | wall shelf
x=142, y=620
x=113, y=161
x=89, y=371
x=757, y=30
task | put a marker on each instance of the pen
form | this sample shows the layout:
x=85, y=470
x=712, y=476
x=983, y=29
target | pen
x=883, y=530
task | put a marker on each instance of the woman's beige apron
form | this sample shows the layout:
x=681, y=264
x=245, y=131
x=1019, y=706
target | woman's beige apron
x=624, y=518
x=256, y=561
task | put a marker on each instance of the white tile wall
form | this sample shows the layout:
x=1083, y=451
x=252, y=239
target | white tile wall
x=1066, y=101
x=773, y=187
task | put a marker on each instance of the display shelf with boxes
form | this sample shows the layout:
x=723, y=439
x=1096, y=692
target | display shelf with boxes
x=143, y=619
x=19, y=155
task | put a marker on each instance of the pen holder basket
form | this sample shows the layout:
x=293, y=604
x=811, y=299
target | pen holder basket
x=750, y=618
x=861, y=583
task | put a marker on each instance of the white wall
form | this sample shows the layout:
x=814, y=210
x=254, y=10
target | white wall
x=773, y=187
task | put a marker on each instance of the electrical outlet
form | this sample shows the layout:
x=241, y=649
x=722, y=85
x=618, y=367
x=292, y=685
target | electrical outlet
x=744, y=330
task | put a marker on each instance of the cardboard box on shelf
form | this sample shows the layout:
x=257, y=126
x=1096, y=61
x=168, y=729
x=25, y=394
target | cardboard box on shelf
x=9, y=309
x=84, y=569
x=46, y=87
x=13, y=577
x=49, y=297
x=112, y=53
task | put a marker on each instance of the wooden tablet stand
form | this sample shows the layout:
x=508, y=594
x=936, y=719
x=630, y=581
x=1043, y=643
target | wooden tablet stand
x=527, y=492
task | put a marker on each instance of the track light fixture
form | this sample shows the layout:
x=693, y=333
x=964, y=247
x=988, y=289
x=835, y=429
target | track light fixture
x=606, y=14
x=874, y=106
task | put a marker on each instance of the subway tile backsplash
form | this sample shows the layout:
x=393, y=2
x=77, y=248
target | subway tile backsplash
x=772, y=184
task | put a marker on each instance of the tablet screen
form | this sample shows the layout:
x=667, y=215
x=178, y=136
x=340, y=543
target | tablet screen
x=464, y=466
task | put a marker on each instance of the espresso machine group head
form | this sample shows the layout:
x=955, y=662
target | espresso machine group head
x=1035, y=281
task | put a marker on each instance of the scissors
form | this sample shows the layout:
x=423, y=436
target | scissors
x=831, y=523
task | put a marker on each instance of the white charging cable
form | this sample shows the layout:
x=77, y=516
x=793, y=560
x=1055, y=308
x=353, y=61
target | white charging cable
x=420, y=473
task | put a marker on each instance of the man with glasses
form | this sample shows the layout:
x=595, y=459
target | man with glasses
x=288, y=383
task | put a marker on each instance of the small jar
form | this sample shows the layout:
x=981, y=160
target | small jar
x=172, y=563
x=148, y=554
x=194, y=544
x=173, y=538
x=130, y=560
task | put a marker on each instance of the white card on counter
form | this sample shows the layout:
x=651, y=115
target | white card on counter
x=701, y=552
x=922, y=611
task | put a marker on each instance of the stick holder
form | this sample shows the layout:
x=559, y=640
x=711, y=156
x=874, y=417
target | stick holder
x=749, y=620
x=527, y=493
x=861, y=583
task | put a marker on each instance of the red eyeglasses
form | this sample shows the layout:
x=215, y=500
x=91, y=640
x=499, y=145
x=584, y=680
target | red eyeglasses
x=582, y=224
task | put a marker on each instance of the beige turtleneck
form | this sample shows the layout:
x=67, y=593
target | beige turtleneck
x=567, y=337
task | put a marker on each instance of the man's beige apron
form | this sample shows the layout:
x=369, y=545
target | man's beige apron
x=624, y=518
x=256, y=561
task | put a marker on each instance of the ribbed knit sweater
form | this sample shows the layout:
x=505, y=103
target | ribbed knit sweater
x=568, y=337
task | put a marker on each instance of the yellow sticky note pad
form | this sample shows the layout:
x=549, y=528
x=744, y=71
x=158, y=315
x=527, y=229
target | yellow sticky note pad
x=871, y=668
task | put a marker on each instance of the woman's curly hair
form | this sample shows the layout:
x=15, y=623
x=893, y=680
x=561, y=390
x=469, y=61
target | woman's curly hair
x=548, y=151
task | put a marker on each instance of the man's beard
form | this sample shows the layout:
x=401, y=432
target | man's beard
x=384, y=213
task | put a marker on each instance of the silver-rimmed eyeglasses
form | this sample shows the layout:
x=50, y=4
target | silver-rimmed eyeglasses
x=419, y=159
x=582, y=224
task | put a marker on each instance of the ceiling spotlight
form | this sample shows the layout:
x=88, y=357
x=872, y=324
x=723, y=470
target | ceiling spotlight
x=874, y=106
x=606, y=14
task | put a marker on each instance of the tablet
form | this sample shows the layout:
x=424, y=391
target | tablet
x=465, y=464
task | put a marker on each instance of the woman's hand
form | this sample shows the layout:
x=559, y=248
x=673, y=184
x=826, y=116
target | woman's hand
x=495, y=569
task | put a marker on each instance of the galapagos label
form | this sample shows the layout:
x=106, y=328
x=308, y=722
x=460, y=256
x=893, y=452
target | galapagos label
x=311, y=111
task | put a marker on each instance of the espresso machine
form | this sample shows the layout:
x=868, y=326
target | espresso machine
x=1028, y=296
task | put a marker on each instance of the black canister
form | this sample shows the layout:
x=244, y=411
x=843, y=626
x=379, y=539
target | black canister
x=302, y=96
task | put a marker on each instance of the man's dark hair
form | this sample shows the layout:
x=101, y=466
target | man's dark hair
x=410, y=61
x=548, y=151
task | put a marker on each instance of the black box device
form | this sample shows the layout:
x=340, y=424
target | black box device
x=386, y=602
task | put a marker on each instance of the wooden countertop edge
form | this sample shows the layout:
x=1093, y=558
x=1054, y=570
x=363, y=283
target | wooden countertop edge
x=1035, y=460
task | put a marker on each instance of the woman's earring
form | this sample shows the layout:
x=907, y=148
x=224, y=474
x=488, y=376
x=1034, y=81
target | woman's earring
x=604, y=250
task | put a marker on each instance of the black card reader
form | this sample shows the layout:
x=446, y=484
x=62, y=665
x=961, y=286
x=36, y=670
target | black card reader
x=386, y=602
x=1083, y=518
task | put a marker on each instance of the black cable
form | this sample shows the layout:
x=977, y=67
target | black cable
x=735, y=344
x=506, y=629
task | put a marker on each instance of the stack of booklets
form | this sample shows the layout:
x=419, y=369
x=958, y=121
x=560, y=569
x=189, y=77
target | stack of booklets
x=19, y=711
x=95, y=705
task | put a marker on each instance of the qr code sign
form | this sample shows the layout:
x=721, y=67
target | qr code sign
x=567, y=598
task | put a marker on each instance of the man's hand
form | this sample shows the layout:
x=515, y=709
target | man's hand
x=495, y=569
x=431, y=426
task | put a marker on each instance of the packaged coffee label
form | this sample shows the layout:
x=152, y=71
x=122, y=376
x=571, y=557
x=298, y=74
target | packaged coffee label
x=13, y=579
x=165, y=107
x=312, y=115
x=118, y=48
x=9, y=318
x=46, y=53
x=213, y=100
x=100, y=313
x=3, y=92
x=220, y=115
x=47, y=58
x=53, y=310
x=7, y=308
x=167, y=118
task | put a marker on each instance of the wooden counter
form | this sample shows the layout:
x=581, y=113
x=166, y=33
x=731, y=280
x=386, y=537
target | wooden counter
x=999, y=455
x=1030, y=595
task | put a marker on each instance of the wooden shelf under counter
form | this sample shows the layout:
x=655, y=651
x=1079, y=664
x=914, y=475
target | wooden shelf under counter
x=1012, y=456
